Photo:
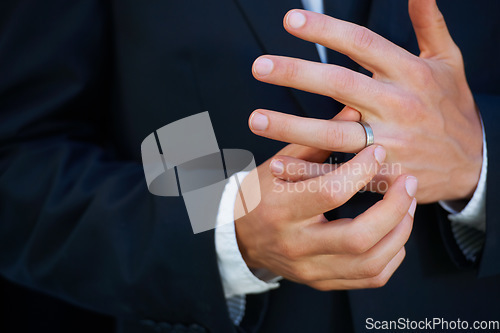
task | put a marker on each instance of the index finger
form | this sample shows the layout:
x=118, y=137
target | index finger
x=370, y=50
x=368, y=229
x=316, y=196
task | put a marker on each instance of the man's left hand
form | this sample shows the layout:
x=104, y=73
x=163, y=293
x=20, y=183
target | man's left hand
x=421, y=108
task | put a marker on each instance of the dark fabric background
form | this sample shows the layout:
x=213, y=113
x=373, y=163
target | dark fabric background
x=83, y=82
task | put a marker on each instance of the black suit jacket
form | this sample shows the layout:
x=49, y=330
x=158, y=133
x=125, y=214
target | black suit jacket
x=83, y=82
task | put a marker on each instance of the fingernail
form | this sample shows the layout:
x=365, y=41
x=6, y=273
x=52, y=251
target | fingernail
x=263, y=66
x=380, y=154
x=413, y=207
x=259, y=122
x=411, y=185
x=277, y=167
x=296, y=20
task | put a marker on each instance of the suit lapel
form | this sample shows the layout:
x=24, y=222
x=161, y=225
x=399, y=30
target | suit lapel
x=265, y=18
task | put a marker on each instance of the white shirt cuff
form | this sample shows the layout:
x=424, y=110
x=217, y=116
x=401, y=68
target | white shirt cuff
x=237, y=279
x=474, y=213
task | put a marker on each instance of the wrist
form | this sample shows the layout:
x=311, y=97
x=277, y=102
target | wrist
x=242, y=241
x=467, y=179
x=467, y=175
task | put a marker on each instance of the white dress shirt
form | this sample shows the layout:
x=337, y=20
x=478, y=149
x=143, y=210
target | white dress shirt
x=238, y=280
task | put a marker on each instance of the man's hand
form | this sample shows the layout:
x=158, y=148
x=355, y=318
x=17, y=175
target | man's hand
x=420, y=108
x=289, y=235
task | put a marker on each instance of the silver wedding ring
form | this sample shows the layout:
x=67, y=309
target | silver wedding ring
x=369, y=133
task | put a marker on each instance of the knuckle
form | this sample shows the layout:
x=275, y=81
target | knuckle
x=400, y=209
x=321, y=286
x=291, y=71
x=362, y=38
x=413, y=64
x=283, y=128
x=302, y=173
x=297, y=171
x=407, y=102
x=324, y=28
x=400, y=142
x=329, y=194
x=456, y=54
x=383, y=278
x=421, y=71
x=293, y=173
x=378, y=281
x=273, y=214
x=340, y=81
x=440, y=20
x=403, y=252
x=335, y=137
x=372, y=268
x=288, y=250
x=410, y=107
x=357, y=243
x=305, y=273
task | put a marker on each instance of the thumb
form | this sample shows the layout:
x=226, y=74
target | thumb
x=433, y=36
x=305, y=153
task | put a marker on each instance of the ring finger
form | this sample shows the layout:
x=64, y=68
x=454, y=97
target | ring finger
x=340, y=136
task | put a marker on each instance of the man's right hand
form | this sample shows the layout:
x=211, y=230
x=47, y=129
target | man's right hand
x=289, y=235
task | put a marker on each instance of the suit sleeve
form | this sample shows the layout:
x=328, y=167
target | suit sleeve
x=489, y=105
x=487, y=262
x=76, y=220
